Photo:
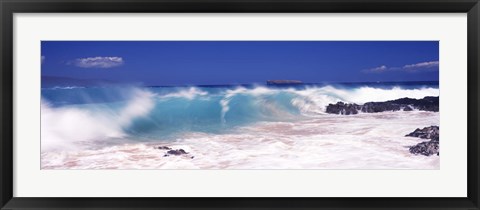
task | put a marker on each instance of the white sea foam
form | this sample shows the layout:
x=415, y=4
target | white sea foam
x=363, y=141
x=189, y=93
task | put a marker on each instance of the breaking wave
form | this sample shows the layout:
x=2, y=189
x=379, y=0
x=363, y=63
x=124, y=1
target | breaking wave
x=153, y=113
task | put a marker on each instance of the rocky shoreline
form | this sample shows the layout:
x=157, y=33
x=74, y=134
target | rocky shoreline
x=428, y=103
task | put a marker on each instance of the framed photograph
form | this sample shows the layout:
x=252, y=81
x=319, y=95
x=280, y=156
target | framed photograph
x=239, y=104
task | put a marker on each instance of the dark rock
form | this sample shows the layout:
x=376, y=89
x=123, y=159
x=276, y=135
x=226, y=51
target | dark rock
x=426, y=148
x=283, y=82
x=374, y=107
x=407, y=104
x=428, y=103
x=431, y=132
x=343, y=108
x=177, y=152
x=163, y=147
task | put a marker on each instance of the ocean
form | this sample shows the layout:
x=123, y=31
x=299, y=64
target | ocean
x=231, y=127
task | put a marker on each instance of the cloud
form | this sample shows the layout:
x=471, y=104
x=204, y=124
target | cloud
x=376, y=69
x=421, y=66
x=416, y=67
x=98, y=62
x=43, y=58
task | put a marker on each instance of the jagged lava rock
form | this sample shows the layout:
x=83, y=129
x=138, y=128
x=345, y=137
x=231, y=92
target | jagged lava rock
x=428, y=103
x=343, y=108
x=431, y=132
x=374, y=107
x=426, y=148
x=425, y=104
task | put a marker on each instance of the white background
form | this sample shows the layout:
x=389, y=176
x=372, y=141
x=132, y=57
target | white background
x=449, y=29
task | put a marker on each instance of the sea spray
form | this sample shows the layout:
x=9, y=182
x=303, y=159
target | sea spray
x=65, y=127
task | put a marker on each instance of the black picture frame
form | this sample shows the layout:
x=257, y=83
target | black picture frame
x=9, y=7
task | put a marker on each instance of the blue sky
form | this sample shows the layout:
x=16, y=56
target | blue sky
x=241, y=62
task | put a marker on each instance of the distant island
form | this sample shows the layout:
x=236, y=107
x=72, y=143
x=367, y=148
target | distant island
x=283, y=82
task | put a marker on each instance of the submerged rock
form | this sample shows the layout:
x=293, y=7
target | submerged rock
x=407, y=104
x=172, y=151
x=177, y=152
x=163, y=147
